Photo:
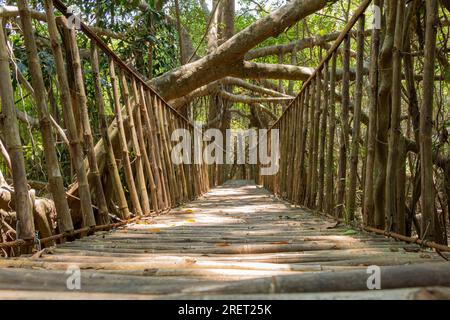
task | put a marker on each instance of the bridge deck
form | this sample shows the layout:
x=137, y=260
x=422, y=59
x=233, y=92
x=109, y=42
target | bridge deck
x=236, y=241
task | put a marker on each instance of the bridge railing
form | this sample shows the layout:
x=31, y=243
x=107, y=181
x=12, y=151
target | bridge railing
x=117, y=131
x=308, y=127
x=345, y=148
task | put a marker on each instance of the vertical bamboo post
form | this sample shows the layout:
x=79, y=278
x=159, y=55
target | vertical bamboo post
x=315, y=152
x=103, y=217
x=163, y=126
x=323, y=137
x=160, y=147
x=353, y=172
x=299, y=137
x=151, y=148
x=344, y=139
x=312, y=112
x=56, y=184
x=142, y=145
x=123, y=141
x=331, y=139
x=302, y=163
x=110, y=157
x=174, y=122
x=10, y=128
x=140, y=177
x=157, y=149
x=66, y=102
x=293, y=149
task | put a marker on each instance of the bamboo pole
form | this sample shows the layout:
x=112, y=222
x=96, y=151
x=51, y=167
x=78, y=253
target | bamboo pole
x=10, y=128
x=303, y=141
x=344, y=140
x=140, y=178
x=56, y=184
x=150, y=149
x=123, y=141
x=163, y=128
x=353, y=172
x=315, y=152
x=312, y=112
x=323, y=137
x=142, y=144
x=331, y=139
x=155, y=149
x=102, y=217
x=159, y=143
x=110, y=157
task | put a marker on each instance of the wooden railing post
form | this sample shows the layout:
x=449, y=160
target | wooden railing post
x=353, y=172
x=344, y=138
x=66, y=102
x=123, y=141
x=331, y=140
x=55, y=179
x=323, y=137
x=139, y=168
x=142, y=144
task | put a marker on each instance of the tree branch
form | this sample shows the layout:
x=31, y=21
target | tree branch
x=250, y=100
x=218, y=64
x=253, y=70
x=301, y=44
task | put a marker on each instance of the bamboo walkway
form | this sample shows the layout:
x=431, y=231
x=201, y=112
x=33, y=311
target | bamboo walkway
x=235, y=242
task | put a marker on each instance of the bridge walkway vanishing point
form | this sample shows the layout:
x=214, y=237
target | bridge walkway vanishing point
x=235, y=242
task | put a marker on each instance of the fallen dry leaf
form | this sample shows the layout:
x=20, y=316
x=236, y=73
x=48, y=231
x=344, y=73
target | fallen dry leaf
x=280, y=242
x=155, y=230
x=222, y=244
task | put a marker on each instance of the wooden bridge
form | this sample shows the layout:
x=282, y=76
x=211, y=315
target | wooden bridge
x=237, y=241
x=303, y=239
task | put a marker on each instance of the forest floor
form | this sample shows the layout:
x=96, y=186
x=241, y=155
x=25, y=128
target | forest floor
x=237, y=241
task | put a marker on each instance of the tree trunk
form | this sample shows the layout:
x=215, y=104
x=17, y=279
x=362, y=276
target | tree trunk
x=230, y=54
x=395, y=127
x=368, y=205
x=10, y=129
x=384, y=103
x=430, y=224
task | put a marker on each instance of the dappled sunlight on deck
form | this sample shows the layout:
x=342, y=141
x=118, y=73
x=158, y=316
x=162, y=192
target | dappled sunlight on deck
x=234, y=233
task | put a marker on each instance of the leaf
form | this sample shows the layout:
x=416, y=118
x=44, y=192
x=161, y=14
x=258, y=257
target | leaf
x=350, y=232
x=222, y=244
